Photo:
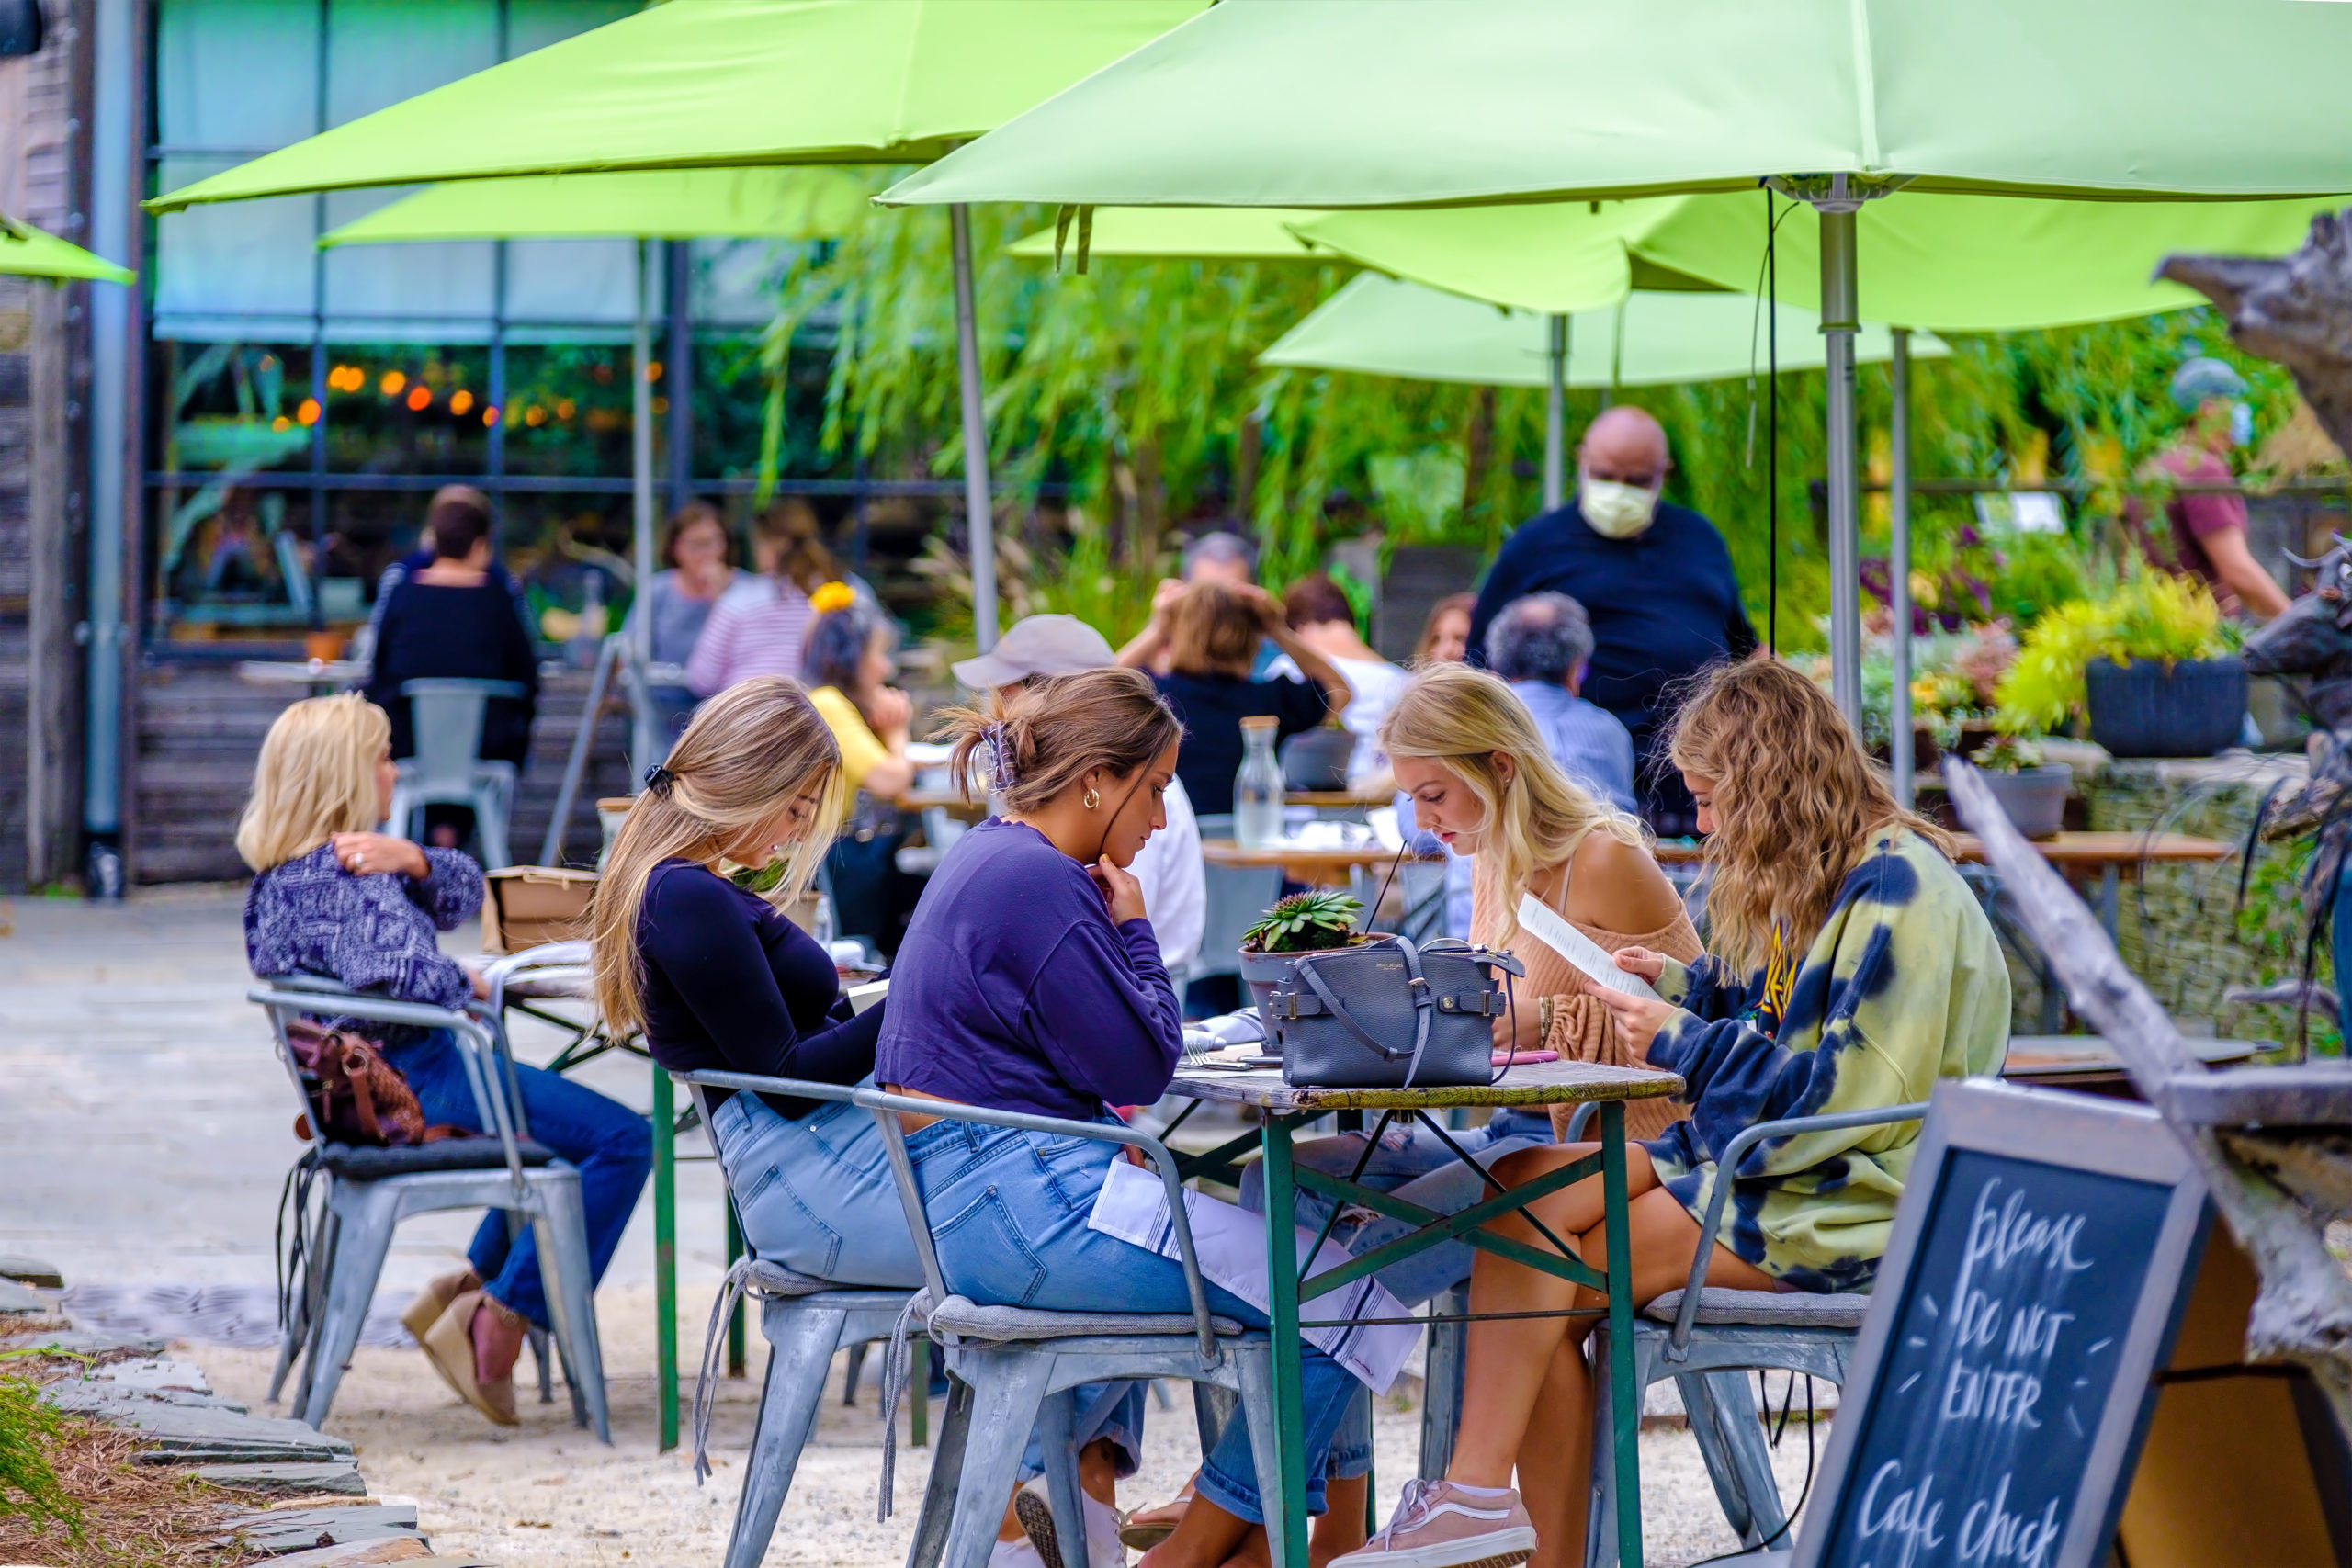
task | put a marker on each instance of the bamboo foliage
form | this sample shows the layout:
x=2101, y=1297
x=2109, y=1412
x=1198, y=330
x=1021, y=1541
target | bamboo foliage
x=1133, y=389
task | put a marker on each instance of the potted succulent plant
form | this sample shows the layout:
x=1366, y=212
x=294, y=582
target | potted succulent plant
x=2033, y=792
x=1304, y=922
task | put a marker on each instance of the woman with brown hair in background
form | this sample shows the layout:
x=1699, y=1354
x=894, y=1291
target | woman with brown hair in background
x=1210, y=633
x=760, y=623
x=1445, y=636
x=698, y=557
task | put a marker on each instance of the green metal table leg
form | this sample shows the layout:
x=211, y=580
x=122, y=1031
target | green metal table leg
x=665, y=1255
x=1282, y=1314
x=1625, y=1399
x=734, y=1324
x=919, y=1393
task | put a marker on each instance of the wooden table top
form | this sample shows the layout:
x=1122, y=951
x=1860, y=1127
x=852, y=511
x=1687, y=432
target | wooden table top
x=1224, y=852
x=949, y=800
x=300, y=671
x=1537, y=1083
x=2092, y=851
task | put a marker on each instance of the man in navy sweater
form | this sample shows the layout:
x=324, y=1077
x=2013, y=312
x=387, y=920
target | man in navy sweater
x=1655, y=580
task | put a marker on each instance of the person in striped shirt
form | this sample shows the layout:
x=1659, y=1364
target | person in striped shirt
x=760, y=624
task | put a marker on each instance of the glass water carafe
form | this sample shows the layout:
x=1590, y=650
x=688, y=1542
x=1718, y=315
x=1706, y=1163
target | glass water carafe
x=1257, y=787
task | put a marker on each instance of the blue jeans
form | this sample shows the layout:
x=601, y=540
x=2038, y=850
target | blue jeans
x=1424, y=1172
x=1008, y=1213
x=816, y=1194
x=611, y=1145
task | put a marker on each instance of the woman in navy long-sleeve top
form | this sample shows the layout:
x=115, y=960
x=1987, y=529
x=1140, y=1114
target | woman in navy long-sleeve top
x=720, y=981
x=1030, y=980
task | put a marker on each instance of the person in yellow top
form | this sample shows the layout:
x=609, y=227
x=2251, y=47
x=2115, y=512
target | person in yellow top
x=847, y=663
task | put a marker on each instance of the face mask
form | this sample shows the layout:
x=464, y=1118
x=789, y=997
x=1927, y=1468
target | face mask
x=2241, y=425
x=1616, y=510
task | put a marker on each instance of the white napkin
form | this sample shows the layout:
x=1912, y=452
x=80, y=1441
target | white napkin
x=1231, y=1243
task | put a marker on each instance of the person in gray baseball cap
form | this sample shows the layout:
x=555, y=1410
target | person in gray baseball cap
x=1175, y=891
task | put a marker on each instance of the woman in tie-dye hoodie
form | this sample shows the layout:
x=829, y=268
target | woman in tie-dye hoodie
x=1849, y=968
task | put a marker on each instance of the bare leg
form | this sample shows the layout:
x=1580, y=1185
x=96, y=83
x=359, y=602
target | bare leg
x=498, y=1341
x=1556, y=1458
x=1341, y=1528
x=1207, y=1537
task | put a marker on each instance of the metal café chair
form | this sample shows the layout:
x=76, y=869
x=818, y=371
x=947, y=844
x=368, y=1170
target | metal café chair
x=804, y=1320
x=370, y=1190
x=1011, y=1366
x=445, y=720
x=1708, y=1338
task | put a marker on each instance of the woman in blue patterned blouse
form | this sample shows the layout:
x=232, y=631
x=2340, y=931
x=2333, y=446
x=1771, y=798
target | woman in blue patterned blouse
x=333, y=898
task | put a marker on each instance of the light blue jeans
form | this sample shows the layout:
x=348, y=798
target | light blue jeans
x=1008, y=1214
x=816, y=1194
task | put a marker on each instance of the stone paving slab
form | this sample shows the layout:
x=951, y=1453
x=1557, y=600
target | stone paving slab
x=31, y=1271
x=296, y=1530
x=191, y=1428
x=391, y=1549
x=323, y=1476
x=82, y=1341
x=15, y=1299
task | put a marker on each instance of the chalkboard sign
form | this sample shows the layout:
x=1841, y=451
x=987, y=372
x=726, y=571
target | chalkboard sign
x=2040, y=1258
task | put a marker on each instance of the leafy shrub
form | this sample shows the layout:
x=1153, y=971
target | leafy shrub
x=28, y=1487
x=2152, y=615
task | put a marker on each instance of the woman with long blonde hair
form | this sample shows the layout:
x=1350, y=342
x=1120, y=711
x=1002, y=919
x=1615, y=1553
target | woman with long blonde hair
x=1851, y=970
x=720, y=981
x=332, y=896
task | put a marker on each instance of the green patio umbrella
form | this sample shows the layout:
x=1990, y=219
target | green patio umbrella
x=1385, y=326
x=1837, y=103
x=1958, y=263
x=698, y=84
x=28, y=252
x=781, y=203
x=1205, y=233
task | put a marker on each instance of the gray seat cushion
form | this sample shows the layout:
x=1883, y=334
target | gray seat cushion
x=1003, y=1324
x=767, y=1279
x=1763, y=1309
x=348, y=1162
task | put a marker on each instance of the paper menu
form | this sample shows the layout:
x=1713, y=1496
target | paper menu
x=1538, y=920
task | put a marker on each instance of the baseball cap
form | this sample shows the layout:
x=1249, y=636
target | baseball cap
x=1036, y=645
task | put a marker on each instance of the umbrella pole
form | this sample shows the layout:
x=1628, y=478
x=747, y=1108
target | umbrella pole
x=645, y=742
x=1898, y=564
x=978, y=514
x=1839, y=311
x=1555, y=416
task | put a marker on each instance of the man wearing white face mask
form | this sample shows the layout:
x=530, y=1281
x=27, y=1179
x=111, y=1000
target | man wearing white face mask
x=1655, y=578
x=2202, y=533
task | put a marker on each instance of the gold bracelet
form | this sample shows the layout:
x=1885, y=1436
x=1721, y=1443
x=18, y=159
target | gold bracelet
x=1542, y=1023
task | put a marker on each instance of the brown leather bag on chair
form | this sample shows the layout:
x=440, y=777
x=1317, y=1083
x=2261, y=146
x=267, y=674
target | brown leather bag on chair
x=357, y=1096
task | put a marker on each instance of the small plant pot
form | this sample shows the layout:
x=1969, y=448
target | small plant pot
x=2035, y=798
x=1264, y=972
x=2193, y=708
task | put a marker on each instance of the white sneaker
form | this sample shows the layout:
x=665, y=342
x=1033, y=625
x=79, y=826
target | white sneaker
x=1032, y=1506
x=1440, y=1525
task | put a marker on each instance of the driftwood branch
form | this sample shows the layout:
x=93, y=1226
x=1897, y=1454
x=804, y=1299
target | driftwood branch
x=2295, y=309
x=2304, y=1314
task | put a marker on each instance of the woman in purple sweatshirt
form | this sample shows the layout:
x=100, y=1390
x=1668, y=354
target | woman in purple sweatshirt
x=1030, y=980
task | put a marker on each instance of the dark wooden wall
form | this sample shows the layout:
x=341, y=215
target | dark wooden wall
x=200, y=727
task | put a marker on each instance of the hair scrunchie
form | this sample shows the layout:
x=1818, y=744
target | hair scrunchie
x=1000, y=770
x=659, y=779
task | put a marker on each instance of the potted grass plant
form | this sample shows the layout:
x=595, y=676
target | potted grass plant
x=2150, y=667
x=1302, y=923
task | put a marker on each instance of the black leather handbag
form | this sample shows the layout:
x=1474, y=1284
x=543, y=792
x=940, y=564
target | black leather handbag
x=1390, y=1015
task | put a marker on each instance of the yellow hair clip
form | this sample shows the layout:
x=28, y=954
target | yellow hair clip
x=833, y=596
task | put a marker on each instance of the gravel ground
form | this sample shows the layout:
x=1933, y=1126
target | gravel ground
x=549, y=1496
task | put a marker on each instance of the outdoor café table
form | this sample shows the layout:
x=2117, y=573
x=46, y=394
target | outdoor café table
x=324, y=677
x=2111, y=858
x=1283, y=1109
x=1316, y=867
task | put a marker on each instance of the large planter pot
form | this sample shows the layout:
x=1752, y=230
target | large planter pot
x=1264, y=973
x=2035, y=798
x=2146, y=709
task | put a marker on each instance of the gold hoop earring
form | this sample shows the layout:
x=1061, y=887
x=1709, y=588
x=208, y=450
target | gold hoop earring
x=1093, y=798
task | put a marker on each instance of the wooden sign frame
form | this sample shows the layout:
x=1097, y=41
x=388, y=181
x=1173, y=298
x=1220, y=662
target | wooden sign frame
x=2098, y=1137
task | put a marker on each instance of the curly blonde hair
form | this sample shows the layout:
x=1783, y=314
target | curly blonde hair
x=1796, y=800
x=1535, y=815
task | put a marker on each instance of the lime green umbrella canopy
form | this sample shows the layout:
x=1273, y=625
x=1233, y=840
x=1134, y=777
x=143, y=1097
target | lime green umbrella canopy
x=1955, y=262
x=1382, y=326
x=28, y=252
x=711, y=83
x=1207, y=234
x=648, y=204
x=1391, y=103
